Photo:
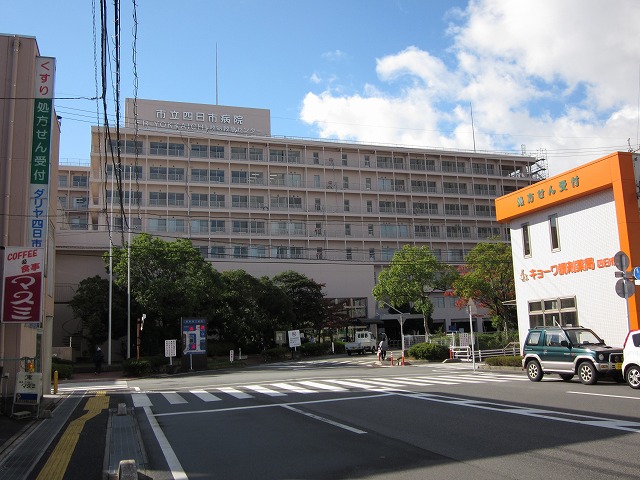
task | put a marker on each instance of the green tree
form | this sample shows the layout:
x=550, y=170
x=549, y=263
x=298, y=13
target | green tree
x=251, y=309
x=487, y=277
x=414, y=273
x=169, y=280
x=90, y=305
x=306, y=297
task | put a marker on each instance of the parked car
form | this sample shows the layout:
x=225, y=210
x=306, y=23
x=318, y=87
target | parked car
x=363, y=342
x=570, y=351
x=631, y=363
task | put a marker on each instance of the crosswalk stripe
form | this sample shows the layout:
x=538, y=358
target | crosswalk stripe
x=438, y=381
x=234, y=392
x=140, y=400
x=360, y=384
x=484, y=377
x=204, y=395
x=292, y=388
x=265, y=391
x=173, y=398
x=322, y=386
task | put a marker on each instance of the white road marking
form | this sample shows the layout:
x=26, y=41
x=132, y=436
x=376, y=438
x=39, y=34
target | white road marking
x=323, y=386
x=605, y=395
x=140, y=400
x=170, y=456
x=265, y=391
x=325, y=420
x=234, y=392
x=292, y=388
x=205, y=396
x=173, y=398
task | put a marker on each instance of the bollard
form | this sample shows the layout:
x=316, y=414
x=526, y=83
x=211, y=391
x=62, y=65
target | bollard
x=392, y=359
x=55, y=382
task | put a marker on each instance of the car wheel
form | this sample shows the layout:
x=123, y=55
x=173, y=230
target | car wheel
x=633, y=376
x=534, y=371
x=566, y=376
x=587, y=373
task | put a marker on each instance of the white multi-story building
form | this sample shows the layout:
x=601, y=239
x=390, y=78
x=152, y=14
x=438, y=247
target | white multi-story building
x=334, y=211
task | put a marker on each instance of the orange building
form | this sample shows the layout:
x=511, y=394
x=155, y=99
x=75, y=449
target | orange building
x=565, y=234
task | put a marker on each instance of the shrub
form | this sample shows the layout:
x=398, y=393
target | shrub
x=277, y=353
x=429, y=351
x=338, y=347
x=504, y=361
x=143, y=366
x=314, y=349
x=65, y=370
x=219, y=349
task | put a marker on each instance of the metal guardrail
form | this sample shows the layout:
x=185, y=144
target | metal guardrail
x=464, y=353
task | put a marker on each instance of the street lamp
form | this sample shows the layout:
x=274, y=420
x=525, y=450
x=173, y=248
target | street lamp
x=473, y=310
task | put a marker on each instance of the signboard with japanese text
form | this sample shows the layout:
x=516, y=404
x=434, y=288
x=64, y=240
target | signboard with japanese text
x=41, y=151
x=22, y=285
x=170, y=348
x=194, y=336
x=294, y=338
x=28, y=388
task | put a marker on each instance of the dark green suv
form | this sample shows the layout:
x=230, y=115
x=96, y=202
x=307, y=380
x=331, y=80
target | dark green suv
x=570, y=351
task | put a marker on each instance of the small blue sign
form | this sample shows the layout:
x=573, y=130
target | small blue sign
x=636, y=273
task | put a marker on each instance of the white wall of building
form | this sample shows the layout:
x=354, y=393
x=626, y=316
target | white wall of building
x=587, y=230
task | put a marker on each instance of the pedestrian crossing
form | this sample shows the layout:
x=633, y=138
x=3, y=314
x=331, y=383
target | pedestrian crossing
x=307, y=387
x=323, y=363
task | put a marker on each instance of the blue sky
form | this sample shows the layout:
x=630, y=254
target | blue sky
x=555, y=78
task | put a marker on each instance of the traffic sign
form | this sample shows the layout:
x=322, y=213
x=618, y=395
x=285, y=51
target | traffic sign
x=636, y=273
x=625, y=288
x=621, y=261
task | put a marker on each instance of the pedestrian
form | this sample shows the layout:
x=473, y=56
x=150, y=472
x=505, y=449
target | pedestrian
x=384, y=345
x=97, y=359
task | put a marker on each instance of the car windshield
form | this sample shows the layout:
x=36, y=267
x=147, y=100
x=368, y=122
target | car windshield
x=583, y=337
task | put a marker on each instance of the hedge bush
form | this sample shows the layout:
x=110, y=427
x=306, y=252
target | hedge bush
x=277, y=353
x=144, y=366
x=429, y=351
x=504, y=361
x=219, y=349
x=314, y=349
x=65, y=370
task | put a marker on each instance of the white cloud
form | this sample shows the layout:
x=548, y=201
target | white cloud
x=334, y=55
x=558, y=76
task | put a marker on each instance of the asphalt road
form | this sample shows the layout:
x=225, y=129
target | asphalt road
x=331, y=422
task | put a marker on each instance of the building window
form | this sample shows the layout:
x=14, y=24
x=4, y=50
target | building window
x=553, y=311
x=217, y=151
x=344, y=159
x=217, y=226
x=239, y=177
x=526, y=240
x=216, y=176
x=370, y=229
x=349, y=254
x=347, y=230
x=62, y=180
x=347, y=206
x=176, y=149
x=345, y=183
x=80, y=181
x=256, y=154
x=319, y=253
x=199, y=226
x=176, y=225
x=316, y=158
x=553, y=232
x=217, y=252
x=240, y=252
x=372, y=254
x=367, y=161
x=238, y=153
x=158, y=148
x=199, y=151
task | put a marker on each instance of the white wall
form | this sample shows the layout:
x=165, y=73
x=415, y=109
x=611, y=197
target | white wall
x=587, y=229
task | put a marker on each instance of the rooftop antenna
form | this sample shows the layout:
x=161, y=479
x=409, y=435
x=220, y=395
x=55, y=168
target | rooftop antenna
x=473, y=132
x=216, y=73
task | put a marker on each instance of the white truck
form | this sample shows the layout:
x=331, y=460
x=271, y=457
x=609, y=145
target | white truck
x=364, y=341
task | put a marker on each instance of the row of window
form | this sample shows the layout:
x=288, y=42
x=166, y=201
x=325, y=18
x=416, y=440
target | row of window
x=554, y=236
x=301, y=253
x=285, y=155
x=213, y=200
x=294, y=228
x=295, y=180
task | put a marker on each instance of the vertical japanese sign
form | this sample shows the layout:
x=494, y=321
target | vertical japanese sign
x=22, y=284
x=41, y=151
